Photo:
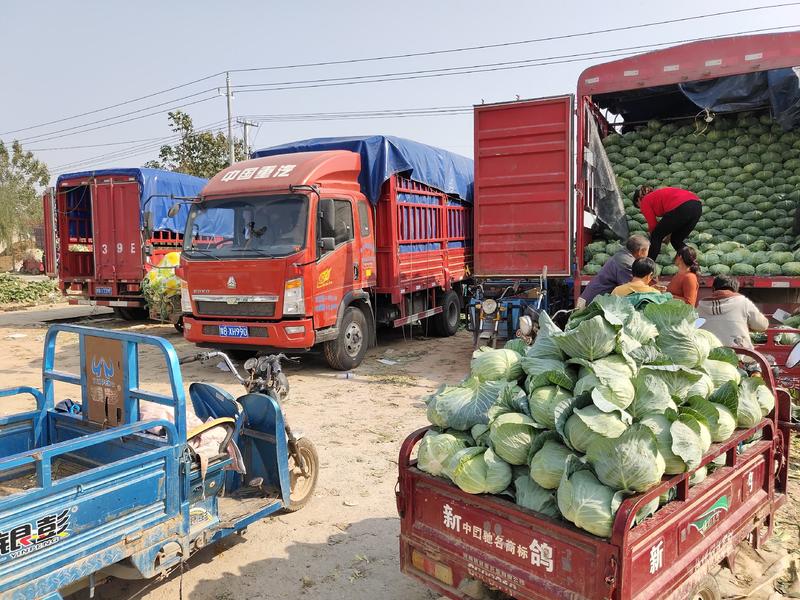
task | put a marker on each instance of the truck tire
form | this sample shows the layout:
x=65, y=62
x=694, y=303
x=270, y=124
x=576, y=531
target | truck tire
x=302, y=487
x=445, y=324
x=707, y=589
x=350, y=346
x=131, y=314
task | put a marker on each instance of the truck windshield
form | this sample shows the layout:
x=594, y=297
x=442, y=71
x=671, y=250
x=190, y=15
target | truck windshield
x=258, y=226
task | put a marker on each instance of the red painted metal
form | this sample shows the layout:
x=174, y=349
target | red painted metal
x=789, y=378
x=408, y=214
x=664, y=557
x=523, y=183
x=98, y=227
x=49, y=235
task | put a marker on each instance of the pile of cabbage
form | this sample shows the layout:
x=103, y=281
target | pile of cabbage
x=583, y=417
x=746, y=170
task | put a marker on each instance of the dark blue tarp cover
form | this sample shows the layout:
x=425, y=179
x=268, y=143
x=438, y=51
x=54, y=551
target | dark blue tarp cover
x=779, y=89
x=382, y=156
x=155, y=181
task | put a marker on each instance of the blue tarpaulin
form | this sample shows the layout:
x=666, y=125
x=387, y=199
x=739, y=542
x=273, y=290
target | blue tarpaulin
x=779, y=89
x=382, y=156
x=158, y=183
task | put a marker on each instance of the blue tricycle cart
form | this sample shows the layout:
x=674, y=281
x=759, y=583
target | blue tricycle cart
x=88, y=490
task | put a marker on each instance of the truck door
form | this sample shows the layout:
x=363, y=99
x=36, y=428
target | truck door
x=336, y=270
x=523, y=188
x=116, y=214
x=367, y=273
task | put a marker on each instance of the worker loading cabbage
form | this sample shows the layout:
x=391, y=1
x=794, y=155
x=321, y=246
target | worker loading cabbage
x=587, y=416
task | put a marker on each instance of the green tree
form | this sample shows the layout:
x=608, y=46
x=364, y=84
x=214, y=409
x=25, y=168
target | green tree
x=22, y=179
x=200, y=153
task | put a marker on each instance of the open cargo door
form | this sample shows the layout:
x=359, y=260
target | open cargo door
x=50, y=232
x=523, y=188
x=117, y=234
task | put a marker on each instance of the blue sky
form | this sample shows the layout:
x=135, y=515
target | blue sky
x=62, y=58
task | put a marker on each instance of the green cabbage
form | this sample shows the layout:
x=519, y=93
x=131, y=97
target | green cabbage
x=609, y=384
x=511, y=435
x=544, y=346
x=546, y=371
x=479, y=471
x=678, y=379
x=489, y=365
x=630, y=462
x=592, y=339
x=586, y=424
x=517, y=345
x=531, y=495
x=464, y=405
x=586, y=502
x=721, y=422
x=755, y=388
x=651, y=396
x=547, y=464
x=721, y=372
x=435, y=449
x=542, y=403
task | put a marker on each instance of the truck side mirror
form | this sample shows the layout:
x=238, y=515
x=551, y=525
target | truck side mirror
x=174, y=210
x=148, y=223
x=327, y=244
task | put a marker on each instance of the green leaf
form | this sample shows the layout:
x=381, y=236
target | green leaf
x=630, y=462
x=725, y=355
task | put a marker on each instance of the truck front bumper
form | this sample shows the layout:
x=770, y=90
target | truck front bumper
x=298, y=335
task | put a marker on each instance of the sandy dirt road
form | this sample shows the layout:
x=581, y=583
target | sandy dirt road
x=344, y=544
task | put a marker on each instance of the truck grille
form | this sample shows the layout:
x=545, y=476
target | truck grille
x=242, y=309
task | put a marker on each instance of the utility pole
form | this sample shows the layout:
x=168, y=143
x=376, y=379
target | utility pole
x=245, y=124
x=229, y=96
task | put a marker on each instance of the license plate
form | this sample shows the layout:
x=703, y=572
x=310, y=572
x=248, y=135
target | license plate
x=235, y=331
x=103, y=290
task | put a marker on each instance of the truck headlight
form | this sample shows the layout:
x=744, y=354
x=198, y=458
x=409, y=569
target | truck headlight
x=293, y=302
x=526, y=325
x=186, y=299
x=489, y=306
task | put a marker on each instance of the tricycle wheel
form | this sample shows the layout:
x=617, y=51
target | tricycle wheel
x=179, y=324
x=707, y=589
x=302, y=485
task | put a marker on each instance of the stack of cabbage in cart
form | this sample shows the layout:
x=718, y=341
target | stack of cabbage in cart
x=571, y=424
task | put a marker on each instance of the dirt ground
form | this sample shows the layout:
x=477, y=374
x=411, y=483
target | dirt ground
x=345, y=543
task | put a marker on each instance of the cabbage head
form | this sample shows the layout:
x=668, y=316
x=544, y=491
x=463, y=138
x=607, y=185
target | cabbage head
x=703, y=387
x=464, y=405
x=511, y=436
x=630, y=462
x=490, y=365
x=711, y=339
x=479, y=471
x=721, y=372
x=740, y=401
x=547, y=464
x=698, y=476
x=609, y=387
x=677, y=378
x=542, y=403
x=586, y=424
x=532, y=496
x=544, y=346
x=683, y=345
x=511, y=399
x=435, y=449
x=546, y=371
x=592, y=339
x=721, y=422
x=585, y=501
x=755, y=388
x=640, y=329
x=517, y=345
x=651, y=396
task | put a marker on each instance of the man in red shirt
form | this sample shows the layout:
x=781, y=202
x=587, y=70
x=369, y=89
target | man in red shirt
x=671, y=214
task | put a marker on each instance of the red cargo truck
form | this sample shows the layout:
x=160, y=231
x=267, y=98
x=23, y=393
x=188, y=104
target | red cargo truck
x=535, y=201
x=460, y=544
x=105, y=228
x=326, y=240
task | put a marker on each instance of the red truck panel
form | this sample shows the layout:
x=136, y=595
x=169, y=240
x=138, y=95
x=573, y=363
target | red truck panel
x=523, y=187
x=424, y=238
x=117, y=230
x=49, y=234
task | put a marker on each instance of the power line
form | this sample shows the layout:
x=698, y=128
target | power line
x=91, y=145
x=478, y=68
x=519, y=42
x=413, y=55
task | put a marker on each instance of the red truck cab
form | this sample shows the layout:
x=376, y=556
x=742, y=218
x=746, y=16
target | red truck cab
x=301, y=256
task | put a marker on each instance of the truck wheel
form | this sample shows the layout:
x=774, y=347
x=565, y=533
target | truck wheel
x=445, y=323
x=302, y=486
x=131, y=314
x=707, y=589
x=348, y=349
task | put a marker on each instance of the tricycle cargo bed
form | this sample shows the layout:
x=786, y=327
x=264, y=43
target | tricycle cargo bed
x=457, y=542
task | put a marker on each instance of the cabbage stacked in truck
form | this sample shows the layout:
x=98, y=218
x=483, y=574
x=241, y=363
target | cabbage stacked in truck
x=570, y=425
x=746, y=170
